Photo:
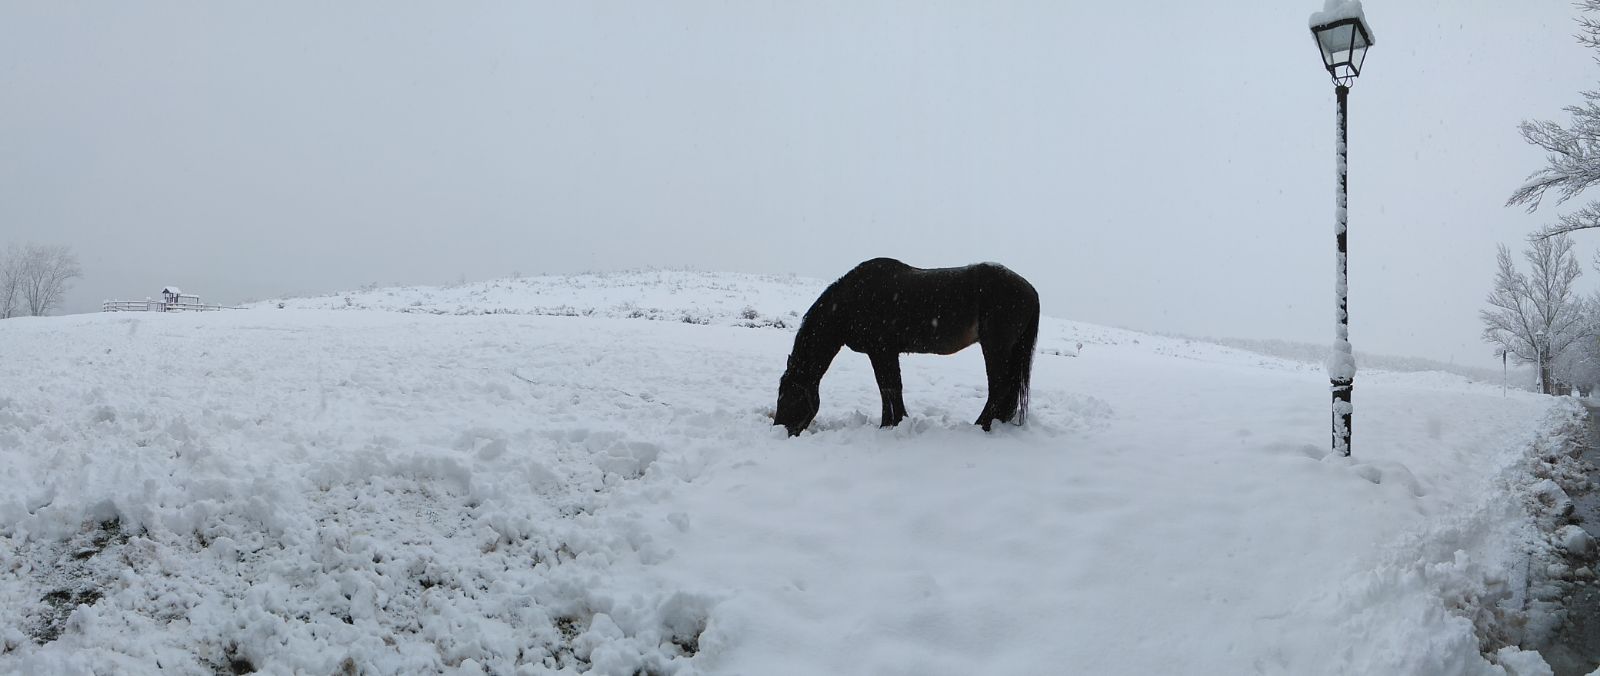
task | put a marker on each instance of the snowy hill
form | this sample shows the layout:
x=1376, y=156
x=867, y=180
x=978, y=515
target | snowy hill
x=769, y=301
x=685, y=296
x=525, y=476
x=1312, y=353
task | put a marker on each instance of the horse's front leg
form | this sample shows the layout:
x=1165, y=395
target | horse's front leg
x=886, y=366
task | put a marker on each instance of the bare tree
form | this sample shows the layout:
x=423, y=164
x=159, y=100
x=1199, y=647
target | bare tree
x=1574, y=149
x=1536, y=317
x=43, y=275
x=10, y=281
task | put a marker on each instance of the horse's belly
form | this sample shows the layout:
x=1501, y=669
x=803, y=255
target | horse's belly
x=954, y=342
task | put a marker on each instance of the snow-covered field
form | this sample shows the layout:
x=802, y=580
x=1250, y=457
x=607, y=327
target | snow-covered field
x=525, y=476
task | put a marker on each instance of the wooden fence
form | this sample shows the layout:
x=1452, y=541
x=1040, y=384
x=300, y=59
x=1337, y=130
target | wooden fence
x=151, y=305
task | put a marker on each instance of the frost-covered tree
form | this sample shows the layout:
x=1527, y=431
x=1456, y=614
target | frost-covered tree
x=10, y=280
x=1536, y=316
x=1579, y=366
x=1574, y=148
x=43, y=274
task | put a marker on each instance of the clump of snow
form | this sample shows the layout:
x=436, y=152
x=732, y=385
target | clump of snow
x=1522, y=663
x=325, y=490
x=1338, y=10
x=1576, y=540
x=1553, y=497
x=1341, y=362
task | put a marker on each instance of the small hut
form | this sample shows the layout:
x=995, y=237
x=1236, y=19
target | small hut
x=175, y=298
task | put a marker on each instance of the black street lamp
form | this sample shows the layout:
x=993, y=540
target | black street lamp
x=1343, y=37
x=1540, y=347
x=1505, y=371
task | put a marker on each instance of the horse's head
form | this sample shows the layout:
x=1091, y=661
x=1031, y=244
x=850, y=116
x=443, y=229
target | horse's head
x=797, y=404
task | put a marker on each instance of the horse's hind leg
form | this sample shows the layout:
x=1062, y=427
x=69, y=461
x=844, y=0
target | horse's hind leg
x=886, y=366
x=1002, y=403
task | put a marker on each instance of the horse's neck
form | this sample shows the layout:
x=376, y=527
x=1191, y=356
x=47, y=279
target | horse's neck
x=815, y=346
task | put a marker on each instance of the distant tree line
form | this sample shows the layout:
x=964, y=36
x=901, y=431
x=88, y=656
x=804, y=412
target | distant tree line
x=34, y=278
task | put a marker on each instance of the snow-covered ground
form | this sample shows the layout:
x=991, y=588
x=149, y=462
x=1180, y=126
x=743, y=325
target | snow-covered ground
x=524, y=477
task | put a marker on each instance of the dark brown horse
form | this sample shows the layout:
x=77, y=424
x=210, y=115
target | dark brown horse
x=884, y=308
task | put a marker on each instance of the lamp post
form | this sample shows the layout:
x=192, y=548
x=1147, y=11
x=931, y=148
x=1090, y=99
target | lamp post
x=1538, y=353
x=1505, y=372
x=1343, y=37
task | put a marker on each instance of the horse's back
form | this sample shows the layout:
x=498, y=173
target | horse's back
x=890, y=280
x=883, y=267
x=878, y=268
x=886, y=305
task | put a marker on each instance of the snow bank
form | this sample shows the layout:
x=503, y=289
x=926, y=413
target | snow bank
x=301, y=490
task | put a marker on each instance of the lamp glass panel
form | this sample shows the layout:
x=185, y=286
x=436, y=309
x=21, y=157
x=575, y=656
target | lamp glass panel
x=1334, y=40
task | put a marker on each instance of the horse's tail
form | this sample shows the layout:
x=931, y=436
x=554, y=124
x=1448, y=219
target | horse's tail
x=1023, y=358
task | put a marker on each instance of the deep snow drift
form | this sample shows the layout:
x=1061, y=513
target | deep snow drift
x=524, y=477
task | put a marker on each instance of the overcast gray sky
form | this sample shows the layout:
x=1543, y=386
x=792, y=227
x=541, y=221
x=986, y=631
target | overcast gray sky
x=1156, y=165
